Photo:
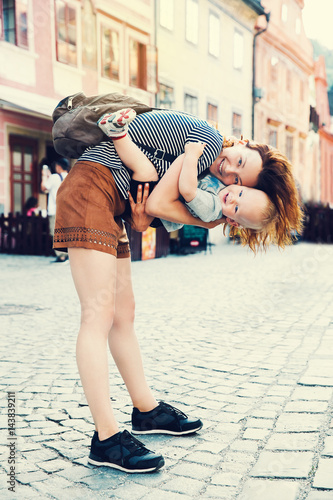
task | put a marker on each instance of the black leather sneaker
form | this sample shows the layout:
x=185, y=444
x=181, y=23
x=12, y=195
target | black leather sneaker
x=124, y=452
x=164, y=419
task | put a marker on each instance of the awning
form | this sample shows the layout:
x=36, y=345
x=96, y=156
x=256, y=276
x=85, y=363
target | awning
x=26, y=102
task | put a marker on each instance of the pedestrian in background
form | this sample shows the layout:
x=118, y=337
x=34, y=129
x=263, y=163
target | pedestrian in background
x=31, y=206
x=50, y=184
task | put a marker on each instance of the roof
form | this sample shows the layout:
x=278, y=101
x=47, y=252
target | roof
x=256, y=6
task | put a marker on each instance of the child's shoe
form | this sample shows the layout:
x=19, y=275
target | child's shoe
x=115, y=125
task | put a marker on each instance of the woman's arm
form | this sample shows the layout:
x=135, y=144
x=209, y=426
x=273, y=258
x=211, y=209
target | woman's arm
x=164, y=201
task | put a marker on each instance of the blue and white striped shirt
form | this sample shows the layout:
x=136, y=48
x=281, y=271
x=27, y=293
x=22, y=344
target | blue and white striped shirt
x=165, y=130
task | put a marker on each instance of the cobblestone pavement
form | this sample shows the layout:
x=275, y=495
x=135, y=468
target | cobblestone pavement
x=244, y=343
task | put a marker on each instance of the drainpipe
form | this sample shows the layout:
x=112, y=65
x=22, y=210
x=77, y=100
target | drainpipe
x=267, y=15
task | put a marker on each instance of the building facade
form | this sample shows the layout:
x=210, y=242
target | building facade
x=284, y=63
x=205, y=59
x=325, y=133
x=53, y=48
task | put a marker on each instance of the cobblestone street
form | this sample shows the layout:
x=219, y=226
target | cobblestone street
x=244, y=343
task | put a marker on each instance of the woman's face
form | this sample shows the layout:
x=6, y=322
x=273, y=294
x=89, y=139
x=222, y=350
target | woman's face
x=237, y=165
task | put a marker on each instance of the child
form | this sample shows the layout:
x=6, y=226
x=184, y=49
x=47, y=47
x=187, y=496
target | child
x=248, y=210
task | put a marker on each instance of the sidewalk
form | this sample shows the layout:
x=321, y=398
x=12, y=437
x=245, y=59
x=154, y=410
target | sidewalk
x=244, y=343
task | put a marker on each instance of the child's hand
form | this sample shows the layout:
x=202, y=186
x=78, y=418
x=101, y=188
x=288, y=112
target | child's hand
x=231, y=140
x=195, y=148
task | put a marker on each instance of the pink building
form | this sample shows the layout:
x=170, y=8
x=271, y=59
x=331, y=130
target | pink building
x=53, y=48
x=284, y=63
x=325, y=133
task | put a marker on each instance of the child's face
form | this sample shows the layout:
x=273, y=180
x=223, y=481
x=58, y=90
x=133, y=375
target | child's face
x=243, y=206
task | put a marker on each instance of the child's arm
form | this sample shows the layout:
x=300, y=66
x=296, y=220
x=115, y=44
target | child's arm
x=164, y=201
x=188, y=179
x=115, y=126
x=135, y=160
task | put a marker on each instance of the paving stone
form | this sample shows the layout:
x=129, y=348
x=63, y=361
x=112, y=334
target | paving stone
x=55, y=465
x=297, y=441
x=226, y=479
x=328, y=448
x=283, y=464
x=184, y=485
x=192, y=470
x=319, y=372
x=132, y=491
x=257, y=434
x=259, y=423
x=211, y=447
x=312, y=393
x=320, y=495
x=203, y=458
x=324, y=475
x=220, y=492
x=41, y=454
x=53, y=485
x=298, y=422
x=261, y=489
x=31, y=477
x=166, y=495
x=244, y=445
x=306, y=406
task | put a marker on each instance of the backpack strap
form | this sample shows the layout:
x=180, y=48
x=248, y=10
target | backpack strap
x=158, y=154
x=61, y=177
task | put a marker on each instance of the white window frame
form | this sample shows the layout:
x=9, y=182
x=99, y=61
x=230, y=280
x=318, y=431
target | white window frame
x=192, y=21
x=214, y=34
x=238, y=46
x=167, y=14
x=193, y=99
x=103, y=21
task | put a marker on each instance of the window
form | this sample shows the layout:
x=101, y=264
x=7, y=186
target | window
x=166, y=96
x=301, y=90
x=302, y=152
x=89, y=37
x=23, y=159
x=110, y=53
x=236, y=125
x=14, y=22
x=212, y=114
x=192, y=21
x=137, y=64
x=289, y=80
x=289, y=147
x=274, y=69
x=191, y=104
x=214, y=35
x=238, y=50
x=272, y=138
x=66, y=32
x=284, y=12
x=166, y=14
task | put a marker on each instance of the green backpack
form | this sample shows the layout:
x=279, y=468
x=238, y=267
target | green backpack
x=75, y=120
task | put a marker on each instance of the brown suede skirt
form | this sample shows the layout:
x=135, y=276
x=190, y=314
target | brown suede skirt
x=89, y=207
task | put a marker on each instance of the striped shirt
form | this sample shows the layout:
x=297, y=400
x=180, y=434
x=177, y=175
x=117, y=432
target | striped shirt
x=164, y=130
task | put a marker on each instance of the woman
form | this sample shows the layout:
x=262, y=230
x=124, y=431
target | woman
x=90, y=203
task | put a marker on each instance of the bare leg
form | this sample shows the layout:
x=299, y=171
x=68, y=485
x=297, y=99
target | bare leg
x=94, y=275
x=123, y=341
x=135, y=160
